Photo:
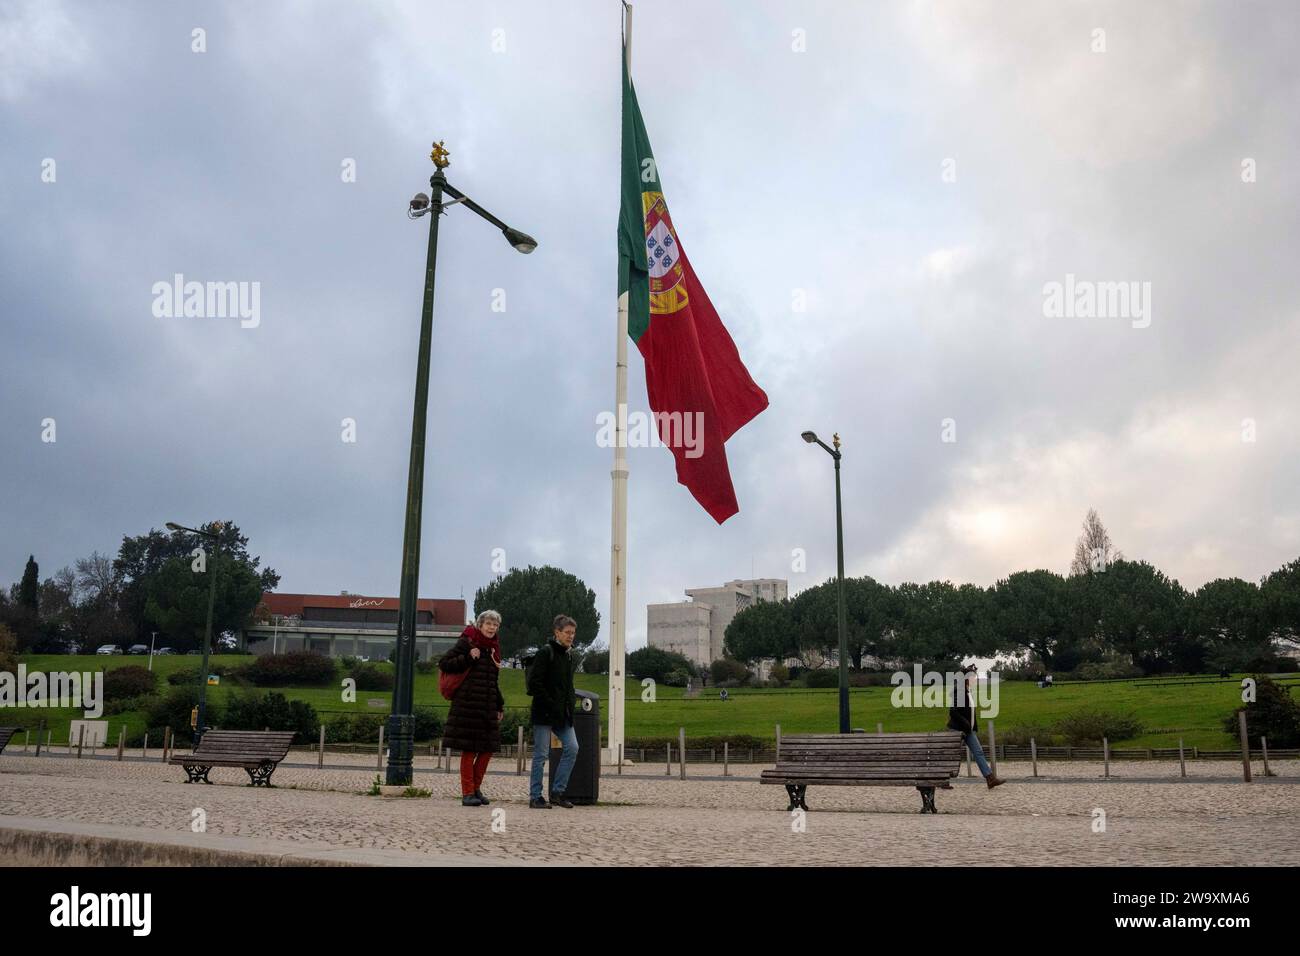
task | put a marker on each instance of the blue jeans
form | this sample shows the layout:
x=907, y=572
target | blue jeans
x=542, y=756
x=976, y=751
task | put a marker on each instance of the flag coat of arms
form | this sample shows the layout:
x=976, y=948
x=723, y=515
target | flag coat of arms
x=694, y=375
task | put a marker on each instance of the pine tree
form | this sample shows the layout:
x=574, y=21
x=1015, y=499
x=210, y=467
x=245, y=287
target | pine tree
x=29, y=589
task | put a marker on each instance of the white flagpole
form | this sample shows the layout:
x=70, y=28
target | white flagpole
x=618, y=537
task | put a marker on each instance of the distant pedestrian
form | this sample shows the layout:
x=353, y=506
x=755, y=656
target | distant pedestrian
x=474, y=723
x=961, y=717
x=550, y=683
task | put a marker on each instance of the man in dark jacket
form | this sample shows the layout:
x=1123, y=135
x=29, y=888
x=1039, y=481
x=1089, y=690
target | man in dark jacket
x=961, y=717
x=550, y=682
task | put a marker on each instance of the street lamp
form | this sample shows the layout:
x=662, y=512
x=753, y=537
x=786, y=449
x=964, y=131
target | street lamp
x=211, y=570
x=401, y=721
x=811, y=438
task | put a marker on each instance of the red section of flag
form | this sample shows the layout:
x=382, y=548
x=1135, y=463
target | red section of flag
x=693, y=369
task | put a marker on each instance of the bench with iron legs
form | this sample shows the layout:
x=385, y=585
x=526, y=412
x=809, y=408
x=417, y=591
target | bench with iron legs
x=258, y=752
x=926, y=761
x=6, y=735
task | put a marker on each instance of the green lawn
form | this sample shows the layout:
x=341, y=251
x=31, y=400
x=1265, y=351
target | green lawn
x=1194, y=712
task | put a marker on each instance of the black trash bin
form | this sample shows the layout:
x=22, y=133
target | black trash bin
x=584, y=782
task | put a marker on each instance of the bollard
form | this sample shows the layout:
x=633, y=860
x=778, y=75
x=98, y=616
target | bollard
x=726, y=748
x=81, y=739
x=993, y=749
x=144, y=750
x=969, y=772
x=713, y=755
x=620, y=760
x=1033, y=754
x=1245, y=746
x=681, y=736
x=668, y=768
x=1105, y=754
x=379, y=761
x=880, y=727
x=168, y=742
x=778, y=743
x=27, y=738
x=320, y=752
x=1263, y=743
x=1182, y=761
x=519, y=751
x=40, y=733
x=446, y=762
x=121, y=742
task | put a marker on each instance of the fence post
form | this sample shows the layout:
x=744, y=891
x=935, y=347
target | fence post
x=446, y=759
x=778, y=743
x=969, y=772
x=81, y=739
x=681, y=736
x=726, y=748
x=620, y=759
x=668, y=767
x=1245, y=746
x=1033, y=754
x=1105, y=754
x=168, y=740
x=713, y=755
x=1196, y=753
x=27, y=738
x=519, y=752
x=121, y=742
x=993, y=748
x=880, y=727
x=1263, y=743
x=144, y=751
x=1182, y=761
x=379, y=761
x=320, y=751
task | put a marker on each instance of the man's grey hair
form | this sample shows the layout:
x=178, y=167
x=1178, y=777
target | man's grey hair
x=487, y=616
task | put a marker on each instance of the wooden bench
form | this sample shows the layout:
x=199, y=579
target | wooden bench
x=259, y=752
x=925, y=761
x=6, y=735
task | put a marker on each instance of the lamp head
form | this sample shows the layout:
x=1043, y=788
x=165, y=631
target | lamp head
x=173, y=526
x=521, y=241
x=419, y=205
x=810, y=437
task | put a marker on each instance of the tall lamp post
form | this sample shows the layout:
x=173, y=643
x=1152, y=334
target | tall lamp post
x=811, y=438
x=211, y=570
x=401, y=722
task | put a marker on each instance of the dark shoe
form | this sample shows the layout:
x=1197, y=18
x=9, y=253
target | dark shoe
x=537, y=803
x=559, y=800
x=471, y=801
x=482, y=799
x=993, y=780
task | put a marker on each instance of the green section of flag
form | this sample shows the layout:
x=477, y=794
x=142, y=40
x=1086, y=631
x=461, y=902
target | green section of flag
x=639, y=174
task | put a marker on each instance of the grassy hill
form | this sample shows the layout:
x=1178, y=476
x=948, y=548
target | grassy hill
x=1193, y=711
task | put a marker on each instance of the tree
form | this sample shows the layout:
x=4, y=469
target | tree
x=1275, y=714
x=1229, y=624
x=177, y=598
x=141, y=561
x=1140, y=614
x=1032, y=614
x=939, y=624
x=8, y=650
x=29, y=588
x=724, y=668
x=658, y=664
x=762, y=630
x=528, y=601
x=1094, y=550
x=1280, y=593
x=870, y=612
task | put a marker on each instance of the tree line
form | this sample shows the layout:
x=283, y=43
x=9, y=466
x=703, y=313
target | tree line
x=151, y=585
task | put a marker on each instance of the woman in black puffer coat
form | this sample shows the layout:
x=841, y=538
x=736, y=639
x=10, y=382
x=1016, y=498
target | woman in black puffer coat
x=474, y=724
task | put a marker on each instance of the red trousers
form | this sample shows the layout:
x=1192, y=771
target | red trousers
x=473, y=768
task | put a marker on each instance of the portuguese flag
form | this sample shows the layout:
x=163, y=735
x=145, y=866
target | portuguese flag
x=699, y=390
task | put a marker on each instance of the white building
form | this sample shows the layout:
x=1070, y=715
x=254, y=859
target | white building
x=697, y=628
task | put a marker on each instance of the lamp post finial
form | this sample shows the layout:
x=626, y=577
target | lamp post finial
x=440, y=155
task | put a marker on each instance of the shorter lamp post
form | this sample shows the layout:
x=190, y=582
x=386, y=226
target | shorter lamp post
x=211, y=569
x=811, y=438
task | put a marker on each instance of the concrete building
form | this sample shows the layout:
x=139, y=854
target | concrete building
x=697, y=628
x=350, y=625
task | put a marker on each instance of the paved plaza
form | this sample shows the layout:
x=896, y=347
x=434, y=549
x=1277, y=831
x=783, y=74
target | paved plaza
x=648, y=818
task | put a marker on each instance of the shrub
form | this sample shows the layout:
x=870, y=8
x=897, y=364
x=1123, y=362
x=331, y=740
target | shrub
x=677, y=677
x=173, y=710
x=425, y=667
x=357, y=728
x=510, y=724
x=728, y=669
x=129, y=681
x=781, y=674
x=372, y=676
x=1020, y=670
x=125, y=705
x=1089, y=726
x=656, y=663
x=291, y=670
x=1106, y=670
x=8, y=650
x=1021, y=734
x=272, y=711
x=1275, y=714
x=822, y=677
x=428, y=723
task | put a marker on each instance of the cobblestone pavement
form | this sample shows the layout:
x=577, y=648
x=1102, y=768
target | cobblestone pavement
x=648, y=818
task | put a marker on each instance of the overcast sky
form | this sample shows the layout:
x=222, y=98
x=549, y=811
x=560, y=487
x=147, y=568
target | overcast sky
x=874, y=195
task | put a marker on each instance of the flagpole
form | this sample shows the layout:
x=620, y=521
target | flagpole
x=618, y=536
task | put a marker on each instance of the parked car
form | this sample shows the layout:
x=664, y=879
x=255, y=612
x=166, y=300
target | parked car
x=138, y=649
x=164, y=650
x=108, y=649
